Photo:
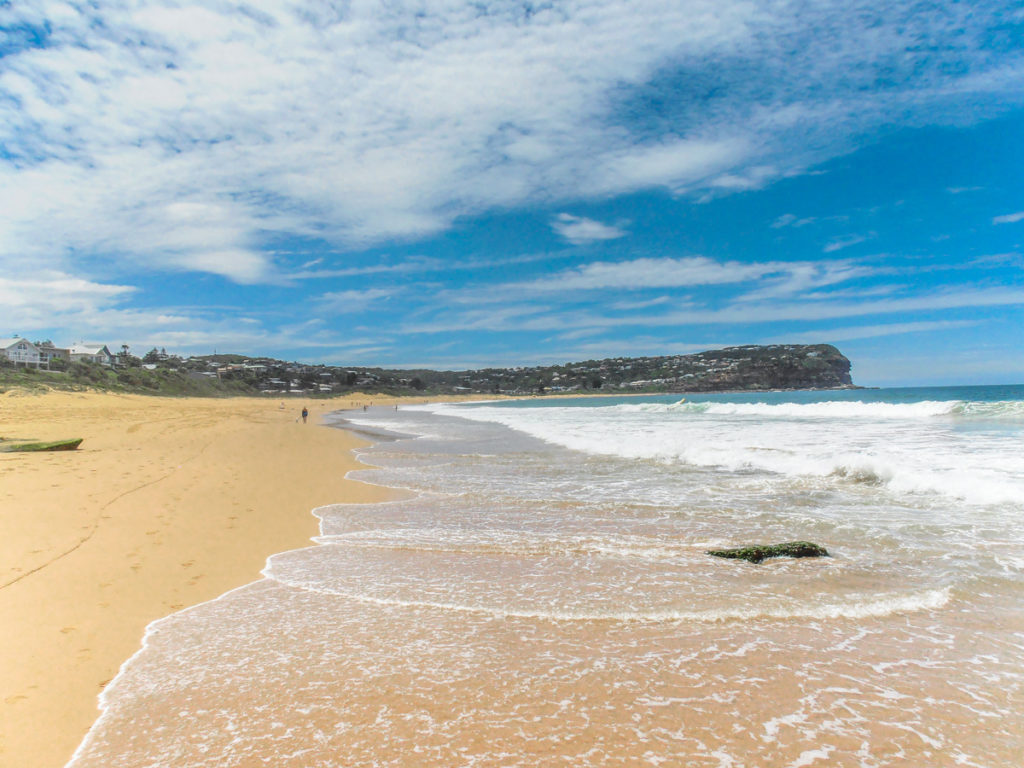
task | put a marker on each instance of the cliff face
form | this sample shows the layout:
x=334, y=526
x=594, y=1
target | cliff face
x=779, y=366
x=790, y=366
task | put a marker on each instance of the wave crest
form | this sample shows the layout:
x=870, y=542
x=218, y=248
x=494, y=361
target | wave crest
x=833, y=409
x=874, y=606
x=1002, y=410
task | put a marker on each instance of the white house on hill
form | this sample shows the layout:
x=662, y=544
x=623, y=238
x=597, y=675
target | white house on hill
x=48, y=353
x=91, y=353
x=20, y=351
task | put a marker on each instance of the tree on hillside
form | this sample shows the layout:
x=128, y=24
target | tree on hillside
x=125, y=359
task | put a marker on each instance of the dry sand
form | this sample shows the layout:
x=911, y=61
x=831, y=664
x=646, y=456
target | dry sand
x=168, y=503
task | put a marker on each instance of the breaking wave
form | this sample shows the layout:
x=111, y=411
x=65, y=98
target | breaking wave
x=873, y=606
x=838, y=409
x=906, y=447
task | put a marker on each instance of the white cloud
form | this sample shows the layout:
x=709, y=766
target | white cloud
x=49, y=291
x=648, y=273
x=581, y=231
x=47, y=298
x=67, y=308
x=1009, y=218
x=627, y=306
x=844, y=242
x=634, y=347
x=871, y=331
x=579, y=333
x=163, y=136
x=798, y=277
x=675, y=164
x=535, y=317
x=789, y=220
x=778, y=279
x=339, y=302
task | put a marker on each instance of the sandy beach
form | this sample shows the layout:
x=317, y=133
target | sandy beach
x=168, y=503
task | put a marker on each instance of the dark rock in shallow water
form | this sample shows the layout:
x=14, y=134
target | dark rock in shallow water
x=760, y=553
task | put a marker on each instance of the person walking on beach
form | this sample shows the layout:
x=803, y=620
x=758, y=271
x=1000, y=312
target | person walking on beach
x=305, y=413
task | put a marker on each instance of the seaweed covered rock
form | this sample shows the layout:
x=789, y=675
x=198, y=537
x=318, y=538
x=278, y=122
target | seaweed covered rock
x=762, y=552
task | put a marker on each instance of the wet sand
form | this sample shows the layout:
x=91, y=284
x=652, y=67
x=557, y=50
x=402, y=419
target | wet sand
x=167, y=503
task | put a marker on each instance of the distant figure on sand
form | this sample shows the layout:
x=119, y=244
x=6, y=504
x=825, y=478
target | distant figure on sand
x=305, y=413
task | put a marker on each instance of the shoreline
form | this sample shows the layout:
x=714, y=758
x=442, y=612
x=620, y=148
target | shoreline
x=296, y=691
x=168, y=504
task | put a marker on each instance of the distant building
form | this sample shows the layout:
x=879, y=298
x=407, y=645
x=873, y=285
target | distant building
x=20, y=351
x=91, y=353
x=48, y=353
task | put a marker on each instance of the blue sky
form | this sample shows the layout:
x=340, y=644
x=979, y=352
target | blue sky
x=453, y=184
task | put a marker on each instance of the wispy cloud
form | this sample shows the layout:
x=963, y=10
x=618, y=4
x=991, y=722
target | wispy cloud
x=579, y=230
x=531, y=317
x=789, y=220
x=36, y=305
x=997, y=260
x=639, y=346
x=1009, y=218
x=871, y=331
x=171, y=137
x=844, y=242
x=627, y=306
x=795, y=278
x=351, y=301
x=775, y=278
x=649, y=273
x=50, y=291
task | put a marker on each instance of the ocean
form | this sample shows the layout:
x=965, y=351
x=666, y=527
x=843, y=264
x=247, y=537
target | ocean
x=541, y=595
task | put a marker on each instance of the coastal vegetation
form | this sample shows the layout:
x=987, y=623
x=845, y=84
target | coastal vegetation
x=750, y=368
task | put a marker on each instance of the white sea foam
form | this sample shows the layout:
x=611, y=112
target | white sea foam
x=836, y=409
x=843, y=409
x=906, y=447
x=848, y=607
